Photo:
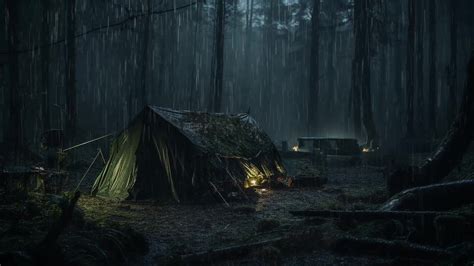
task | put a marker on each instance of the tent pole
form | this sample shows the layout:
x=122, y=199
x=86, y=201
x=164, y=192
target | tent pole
x=220, y=195
x=88, y=169
x=87, y=142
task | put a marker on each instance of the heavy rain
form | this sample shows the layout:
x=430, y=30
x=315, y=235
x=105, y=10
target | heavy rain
x=237, y=132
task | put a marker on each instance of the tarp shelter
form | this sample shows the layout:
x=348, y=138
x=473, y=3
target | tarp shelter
x=182, y=155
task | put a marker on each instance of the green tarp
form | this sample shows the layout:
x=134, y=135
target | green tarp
x=120, y=172
x=176, y=155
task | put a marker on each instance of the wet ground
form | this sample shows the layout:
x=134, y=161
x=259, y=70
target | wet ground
x=185, y=229
x=175, y=231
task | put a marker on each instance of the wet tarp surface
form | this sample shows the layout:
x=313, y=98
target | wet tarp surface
x=173, y=154
x=223, y=134
x=120, y=172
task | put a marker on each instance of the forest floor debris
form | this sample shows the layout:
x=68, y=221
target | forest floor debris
x=190, y=229
x=261, y=229
x=27, y=236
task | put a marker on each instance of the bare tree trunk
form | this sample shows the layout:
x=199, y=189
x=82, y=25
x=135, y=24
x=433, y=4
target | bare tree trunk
x=419, y=58
x=452, y=73
x=313, y=99
x=433, y=88
x=356, y=68
x=410, y=81
x=355, y=96
x=248, y=71
x=361, y=65
x=194, y=82
x=250, y=16
x=13, y=133
x=268, y=62
x=331, y=70
x=142, y=97
x=397, y=72
x=218, y=71
x=450, y=151
x=70, y=82
x=367, y=114
x=45, y=65
x=383, y=87
x=172, y=49
x=162, y=63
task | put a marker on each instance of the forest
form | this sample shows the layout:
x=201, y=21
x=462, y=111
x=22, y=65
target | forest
x=227, y=132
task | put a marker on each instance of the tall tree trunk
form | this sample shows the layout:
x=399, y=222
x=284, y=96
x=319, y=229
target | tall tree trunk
x=313, y=100
x=219, y=58
x=451, y=149
x=45, y=65
x=410, y=80
x=419, y=61
x=356, y=102
x=383, y=87
x=361, y=65
x=70, y=82
x=397, y=73
x=162, y=63
x=250, y=16
x=331, y=70
x=194, y=82
x=452, y=77
x=367, y=114
x=142, y=96
x=172, y=48
x=356, y=68
x=268, y=47
x=13, y=132
x=247, y=70
x=433, y=88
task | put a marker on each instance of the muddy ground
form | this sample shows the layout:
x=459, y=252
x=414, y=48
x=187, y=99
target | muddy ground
x=185, y=229
x=174, y=231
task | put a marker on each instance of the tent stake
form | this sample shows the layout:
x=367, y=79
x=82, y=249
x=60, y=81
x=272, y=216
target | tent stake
x=87, y=171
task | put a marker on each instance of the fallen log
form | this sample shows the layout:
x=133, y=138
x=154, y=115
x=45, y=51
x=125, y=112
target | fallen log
x=381, y=247
x=449, y=152
x=423, y=221
x=227, y=253
x=438, y=197
x=369, y=215
x=291, y=242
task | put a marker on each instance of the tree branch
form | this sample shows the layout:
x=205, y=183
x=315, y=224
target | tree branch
x=99, y=28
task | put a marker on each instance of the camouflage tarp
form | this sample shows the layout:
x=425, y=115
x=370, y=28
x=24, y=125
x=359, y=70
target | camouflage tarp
x=182, y=155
